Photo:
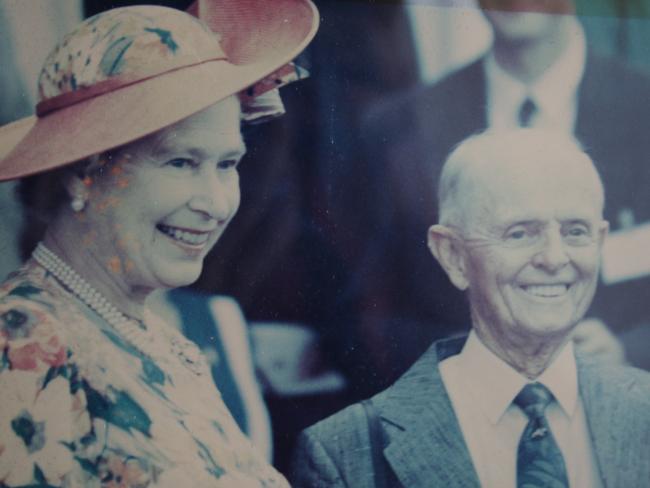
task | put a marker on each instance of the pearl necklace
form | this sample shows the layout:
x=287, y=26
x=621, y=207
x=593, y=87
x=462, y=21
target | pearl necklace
x=134, y=331
x=131, y=329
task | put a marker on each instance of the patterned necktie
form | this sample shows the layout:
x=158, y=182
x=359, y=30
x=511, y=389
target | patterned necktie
x=527, y=112
x=539, y=460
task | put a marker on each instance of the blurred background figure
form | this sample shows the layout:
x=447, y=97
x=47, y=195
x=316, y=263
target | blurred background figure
x=324, y=235
x=217, y=325
x=27, y=31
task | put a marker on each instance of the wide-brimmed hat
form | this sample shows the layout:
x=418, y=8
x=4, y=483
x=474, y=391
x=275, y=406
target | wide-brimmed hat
x=128, y=72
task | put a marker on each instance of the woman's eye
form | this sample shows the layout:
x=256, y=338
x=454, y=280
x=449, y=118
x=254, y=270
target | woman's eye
x=181, y=163
x=227, y=164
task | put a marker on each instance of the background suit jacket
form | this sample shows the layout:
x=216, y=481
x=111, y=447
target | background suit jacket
x=426, y=447
x=406, y=141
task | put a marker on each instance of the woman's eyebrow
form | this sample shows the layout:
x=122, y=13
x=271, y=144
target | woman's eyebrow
x=166, y=148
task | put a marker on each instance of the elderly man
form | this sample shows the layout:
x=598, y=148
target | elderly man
x=521, y=231
x=541, y=72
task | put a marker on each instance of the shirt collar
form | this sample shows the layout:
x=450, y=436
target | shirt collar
x=555, y=90
x=559, y=84
x=495, y=383
x=504, y=94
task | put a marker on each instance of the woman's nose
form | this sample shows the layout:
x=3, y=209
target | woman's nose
x=210, y=197
x=553, y=253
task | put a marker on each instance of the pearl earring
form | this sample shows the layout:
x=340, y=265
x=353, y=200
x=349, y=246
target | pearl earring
x=78, y=203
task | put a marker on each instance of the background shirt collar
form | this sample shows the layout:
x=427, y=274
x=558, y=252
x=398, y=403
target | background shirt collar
x=553, y=92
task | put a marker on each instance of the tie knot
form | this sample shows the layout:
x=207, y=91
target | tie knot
x=533, y=399
x=527, y=112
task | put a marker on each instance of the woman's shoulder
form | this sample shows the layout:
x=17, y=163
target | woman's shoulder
x=31, y=335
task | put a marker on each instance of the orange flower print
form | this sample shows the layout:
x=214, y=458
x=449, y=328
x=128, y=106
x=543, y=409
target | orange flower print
x=28, y=357
x=117, y=472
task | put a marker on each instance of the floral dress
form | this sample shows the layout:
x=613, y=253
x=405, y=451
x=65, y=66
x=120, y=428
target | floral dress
x=81, y=407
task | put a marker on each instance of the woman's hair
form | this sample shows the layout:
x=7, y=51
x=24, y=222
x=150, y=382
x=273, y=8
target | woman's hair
x=43, y=195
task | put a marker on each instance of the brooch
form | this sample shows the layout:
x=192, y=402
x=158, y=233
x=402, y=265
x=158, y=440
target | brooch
x=190, y=356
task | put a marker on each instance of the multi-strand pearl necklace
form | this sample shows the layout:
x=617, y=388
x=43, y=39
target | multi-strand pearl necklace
x=130, y=329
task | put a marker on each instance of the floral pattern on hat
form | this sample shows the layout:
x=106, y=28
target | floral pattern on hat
x=132, y=42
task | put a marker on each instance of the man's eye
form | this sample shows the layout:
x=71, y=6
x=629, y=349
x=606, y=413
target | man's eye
x=516, y=234
x=577, y=231
x=521, y=236
x=577, y=234
x=181, y=163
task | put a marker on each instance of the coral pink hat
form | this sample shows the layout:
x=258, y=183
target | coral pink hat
x=131, y=71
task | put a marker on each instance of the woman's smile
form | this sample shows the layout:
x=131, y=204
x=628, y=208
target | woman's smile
x=186, y=237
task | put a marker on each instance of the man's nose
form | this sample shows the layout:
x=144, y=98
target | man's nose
x=553, y=253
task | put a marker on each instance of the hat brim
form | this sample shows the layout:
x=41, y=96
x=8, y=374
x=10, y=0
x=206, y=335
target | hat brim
x=35, y=144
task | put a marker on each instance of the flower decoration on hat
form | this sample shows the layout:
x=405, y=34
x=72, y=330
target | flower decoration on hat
x=131, y=71
x=119, y=47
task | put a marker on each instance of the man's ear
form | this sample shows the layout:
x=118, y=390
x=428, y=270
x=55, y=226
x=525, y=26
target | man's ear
x=446, y=247
x=603, y=230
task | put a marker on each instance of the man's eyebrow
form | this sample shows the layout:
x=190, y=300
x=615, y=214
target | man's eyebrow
x=579, y=220
x=523, y=221
x=517, y=221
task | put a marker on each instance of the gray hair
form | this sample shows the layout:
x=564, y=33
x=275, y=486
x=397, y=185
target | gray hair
x=522, y=145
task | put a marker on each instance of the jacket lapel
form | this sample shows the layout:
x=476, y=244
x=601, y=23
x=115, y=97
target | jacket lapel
x=598, y=413
x=426, y=444
x=619, y=433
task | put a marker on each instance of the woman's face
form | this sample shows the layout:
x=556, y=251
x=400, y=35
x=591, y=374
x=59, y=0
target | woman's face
x=162, y=202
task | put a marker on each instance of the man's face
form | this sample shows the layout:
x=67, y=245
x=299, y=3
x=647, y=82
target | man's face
x=531, y=250
x=524, y=21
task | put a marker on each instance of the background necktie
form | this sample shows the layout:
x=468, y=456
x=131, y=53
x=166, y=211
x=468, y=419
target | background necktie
x=539, y=460
x=527, y=112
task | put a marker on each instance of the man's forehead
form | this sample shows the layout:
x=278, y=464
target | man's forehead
x=510, y=192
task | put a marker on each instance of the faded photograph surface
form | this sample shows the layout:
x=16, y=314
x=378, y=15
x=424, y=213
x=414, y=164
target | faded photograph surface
x=322, y=243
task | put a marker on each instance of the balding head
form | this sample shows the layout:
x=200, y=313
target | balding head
x=507, y=159
x=521, y=230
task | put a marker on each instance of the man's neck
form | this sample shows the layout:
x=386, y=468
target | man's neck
x=529, y=357
x=528, y=61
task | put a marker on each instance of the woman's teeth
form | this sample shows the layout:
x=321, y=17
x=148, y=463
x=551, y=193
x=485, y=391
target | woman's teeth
x=192, y=238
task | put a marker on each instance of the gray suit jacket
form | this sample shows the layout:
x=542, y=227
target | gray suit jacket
x=426, y=447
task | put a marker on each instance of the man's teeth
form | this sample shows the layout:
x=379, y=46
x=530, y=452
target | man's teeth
x=546, y=290
x=184, y=236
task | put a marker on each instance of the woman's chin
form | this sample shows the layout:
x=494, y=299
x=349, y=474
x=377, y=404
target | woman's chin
x=178, y=276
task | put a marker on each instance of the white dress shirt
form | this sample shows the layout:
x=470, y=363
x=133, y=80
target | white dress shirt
x=554, y=93
x=482, y=388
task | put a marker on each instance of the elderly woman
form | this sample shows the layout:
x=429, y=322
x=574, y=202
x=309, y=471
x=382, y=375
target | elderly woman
x=133, y=156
